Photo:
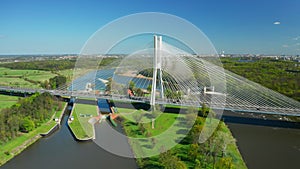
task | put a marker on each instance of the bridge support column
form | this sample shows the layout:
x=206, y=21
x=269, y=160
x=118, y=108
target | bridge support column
x=157, y=72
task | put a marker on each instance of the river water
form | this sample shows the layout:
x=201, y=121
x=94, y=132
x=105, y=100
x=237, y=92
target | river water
x=265, y=147
x=95, y=76
x=60, y=150
x=261, y=147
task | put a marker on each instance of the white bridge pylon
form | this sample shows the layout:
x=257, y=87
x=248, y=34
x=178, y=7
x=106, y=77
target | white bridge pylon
x=157, y=72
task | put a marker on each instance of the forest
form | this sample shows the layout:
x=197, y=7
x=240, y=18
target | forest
x=57, y=65
x=48, y=65
x=279, y=75
x=26, y=115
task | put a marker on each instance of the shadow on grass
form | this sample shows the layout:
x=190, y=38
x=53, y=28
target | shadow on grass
x=182, y=131
x=148, y=146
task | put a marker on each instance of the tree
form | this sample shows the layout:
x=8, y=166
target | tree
x=149, y=88
x=180, y=165
x=131, y=85
x=169, y=161
x=193, y=135
x=139, y=92
x=46, y=84
x=57, y=81
x=193, y=151
x=191, y=114
x=224, y=163
x=204, y=110
x=197, y=164
x=25, y=115
x=109, y=84
x=27, y=125
x=142, y=128
x=137, y=116
x=226, y=139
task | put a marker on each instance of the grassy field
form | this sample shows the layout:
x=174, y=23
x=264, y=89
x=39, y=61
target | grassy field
x=22, y=78
x=7, y=101
x=80, y=126
x=67, y=73
x=17, y=82
x=17, y=145
x=163, y=123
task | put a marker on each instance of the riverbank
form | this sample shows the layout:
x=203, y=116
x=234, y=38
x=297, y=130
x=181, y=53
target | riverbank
x=14, y=147
x=182, y=150
x=61, y=150
x=82, y=124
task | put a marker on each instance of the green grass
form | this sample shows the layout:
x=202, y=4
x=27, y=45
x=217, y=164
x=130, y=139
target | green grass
x=166, y=125
x=233, y=151
x=7, y=101
x=16, y=78
x=162, y=123
x=17, y=82
x=41, y=77
x=67, y=73
x=59, y=113
x=80, y=126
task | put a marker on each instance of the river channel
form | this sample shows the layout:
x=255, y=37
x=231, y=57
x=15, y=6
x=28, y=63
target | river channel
x=61, y=150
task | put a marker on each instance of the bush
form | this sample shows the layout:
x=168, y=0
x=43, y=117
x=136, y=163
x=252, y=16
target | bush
x=27, y=125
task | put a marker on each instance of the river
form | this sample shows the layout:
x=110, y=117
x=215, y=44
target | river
x=265, y=147
x=261, y=147
x=60, y=150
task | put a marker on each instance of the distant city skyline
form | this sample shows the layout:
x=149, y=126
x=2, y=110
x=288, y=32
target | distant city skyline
x=233, y=26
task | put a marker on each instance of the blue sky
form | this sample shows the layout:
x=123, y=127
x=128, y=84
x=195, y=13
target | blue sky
x=235, y=26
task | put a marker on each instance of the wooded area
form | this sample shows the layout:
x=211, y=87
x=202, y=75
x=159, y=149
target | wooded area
x=26, y=115
x=281, y=76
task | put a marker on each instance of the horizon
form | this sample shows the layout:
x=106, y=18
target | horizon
x=236, y=27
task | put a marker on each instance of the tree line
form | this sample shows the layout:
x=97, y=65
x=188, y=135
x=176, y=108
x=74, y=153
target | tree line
x=57, y=65
x=26, y=115
x=47, y=65
x=55, y=82
x=278, y=75
x=210, y=154
x=189, y=153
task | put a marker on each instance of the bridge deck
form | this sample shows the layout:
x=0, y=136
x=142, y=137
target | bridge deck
x=214, y=105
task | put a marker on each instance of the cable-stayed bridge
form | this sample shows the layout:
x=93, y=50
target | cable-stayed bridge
x=168, y=75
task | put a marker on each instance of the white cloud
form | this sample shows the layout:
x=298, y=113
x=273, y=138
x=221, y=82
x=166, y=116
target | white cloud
x=277, y=23
x=285, y=46
x=296, y=38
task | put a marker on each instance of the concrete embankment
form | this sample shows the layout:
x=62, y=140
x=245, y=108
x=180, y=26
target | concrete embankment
x=72, y=130
x=58, y=123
